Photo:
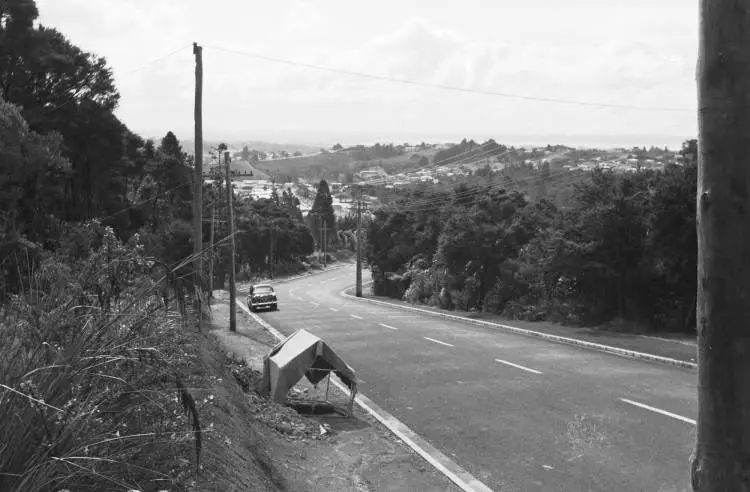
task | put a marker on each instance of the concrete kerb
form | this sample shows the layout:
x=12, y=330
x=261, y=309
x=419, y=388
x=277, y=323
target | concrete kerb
x=463, y=479
x=304, y=275
x=630, y=354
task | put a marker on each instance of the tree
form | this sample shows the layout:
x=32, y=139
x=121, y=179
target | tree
x=689, y=152
x=64, y=89
x=478, y=238
x=720, y=459
x=321, y=214
x=337, y=147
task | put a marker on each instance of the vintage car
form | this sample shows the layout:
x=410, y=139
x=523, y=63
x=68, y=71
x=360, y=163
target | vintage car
x=261, y=296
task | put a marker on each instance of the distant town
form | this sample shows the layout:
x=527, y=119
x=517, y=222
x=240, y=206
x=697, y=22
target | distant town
x=249, y=168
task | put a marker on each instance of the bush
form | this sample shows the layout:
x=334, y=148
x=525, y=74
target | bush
x=90, y=392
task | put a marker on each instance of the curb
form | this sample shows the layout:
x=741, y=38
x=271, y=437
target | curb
x=629, y=354
x=429, y=453
x=306, y=275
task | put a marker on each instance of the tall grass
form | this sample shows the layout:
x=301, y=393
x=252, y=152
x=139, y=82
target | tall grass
x=90, y=391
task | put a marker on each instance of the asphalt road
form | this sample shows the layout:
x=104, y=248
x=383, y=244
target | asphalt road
x=519, y=413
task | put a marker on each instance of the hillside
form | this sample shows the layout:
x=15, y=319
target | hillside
x=244, y=168
x=318, y=165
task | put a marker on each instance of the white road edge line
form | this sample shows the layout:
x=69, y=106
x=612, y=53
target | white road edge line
x=517, y=366
x=463, y=479
x=438, y=341
x=657, y=410
x=626, y=353
x=355, y=316
x=314, y=303
x=389, y=327
x=334, y=310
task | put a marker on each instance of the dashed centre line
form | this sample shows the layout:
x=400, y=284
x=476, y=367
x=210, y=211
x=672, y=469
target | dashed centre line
x=438, y=341
x=533, y=371
x=314, y=303
x=658, y=410
x=389, y=327
x=355, y=316
x=334, y=310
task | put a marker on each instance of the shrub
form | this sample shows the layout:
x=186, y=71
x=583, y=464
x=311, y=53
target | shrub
x=90, y=388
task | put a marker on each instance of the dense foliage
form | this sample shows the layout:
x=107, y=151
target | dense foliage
x=95, y=273
x=66, y=158
x=624, y=247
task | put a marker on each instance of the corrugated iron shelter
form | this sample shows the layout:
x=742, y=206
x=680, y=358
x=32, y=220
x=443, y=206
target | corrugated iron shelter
x=302, y=354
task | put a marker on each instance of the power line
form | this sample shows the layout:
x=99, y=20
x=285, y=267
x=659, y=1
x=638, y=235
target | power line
x=143, y=202
x=155, y=60
x=507, y=95
x=74, y=96
x=428, y=204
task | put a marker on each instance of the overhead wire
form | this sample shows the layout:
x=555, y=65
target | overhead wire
x=143, y=202
x=568, y=177
x=507, y=95
x=146, y=65
x=156, y=60
x=472, y=153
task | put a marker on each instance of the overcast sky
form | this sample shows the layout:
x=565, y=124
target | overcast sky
x=635, y=52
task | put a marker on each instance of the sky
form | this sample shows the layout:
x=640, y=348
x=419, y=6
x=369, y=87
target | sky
x=624, y=52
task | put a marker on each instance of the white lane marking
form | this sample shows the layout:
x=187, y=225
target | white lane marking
x=355, y=316
x=389, y=327
x=438, y=341
x=657, y=410
x=463, y=479
x=314, y=303
x=334, y=310
x=517, y=366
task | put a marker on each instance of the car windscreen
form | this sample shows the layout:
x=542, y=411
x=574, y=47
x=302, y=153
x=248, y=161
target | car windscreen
x=262, y=290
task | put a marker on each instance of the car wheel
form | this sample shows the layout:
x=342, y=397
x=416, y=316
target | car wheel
x=275, y=307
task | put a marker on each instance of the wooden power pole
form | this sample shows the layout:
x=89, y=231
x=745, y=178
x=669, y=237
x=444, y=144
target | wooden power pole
x=721, y=459
x=198, y=185
x=232, y=285
x=358, y=292
x=211, y=254
x=325, y=249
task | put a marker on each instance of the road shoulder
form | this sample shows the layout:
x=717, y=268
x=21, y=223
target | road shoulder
x=354, y=454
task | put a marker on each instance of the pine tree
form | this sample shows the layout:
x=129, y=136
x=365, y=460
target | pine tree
x=321, y=215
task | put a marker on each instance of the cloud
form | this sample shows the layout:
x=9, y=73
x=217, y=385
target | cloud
x=615, y=69
x=303, y=21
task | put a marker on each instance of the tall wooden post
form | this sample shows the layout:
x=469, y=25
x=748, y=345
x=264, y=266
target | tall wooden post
x=358, y=292
x=198, y=185
x=232, y=285
x=325, y=248
x=211, y=254
x=721, y=459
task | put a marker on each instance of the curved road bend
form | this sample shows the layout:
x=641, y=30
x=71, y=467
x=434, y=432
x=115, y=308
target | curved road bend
x=519, y=413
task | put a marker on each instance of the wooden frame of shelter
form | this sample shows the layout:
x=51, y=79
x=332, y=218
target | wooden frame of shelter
x=302, y=354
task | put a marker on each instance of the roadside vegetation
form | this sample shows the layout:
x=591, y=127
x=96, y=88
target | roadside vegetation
x=98, y=364
x=612, y=248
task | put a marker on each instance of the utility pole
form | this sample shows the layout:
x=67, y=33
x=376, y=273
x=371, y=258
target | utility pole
x=232, y=286
x=325, y=249
x=211, y=252
x=720, y=459
x=320, y=235
x=359, y=248
x=270, y=251
x=198, y=185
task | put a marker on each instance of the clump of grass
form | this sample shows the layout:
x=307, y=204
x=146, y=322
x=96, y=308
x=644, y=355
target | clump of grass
x=91, y=396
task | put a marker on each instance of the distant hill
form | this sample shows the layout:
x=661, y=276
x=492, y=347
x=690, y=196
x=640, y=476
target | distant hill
x=244, y=167
x=327, y=164
x=189, y=146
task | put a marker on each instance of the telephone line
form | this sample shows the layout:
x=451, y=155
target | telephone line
x=507, y=95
